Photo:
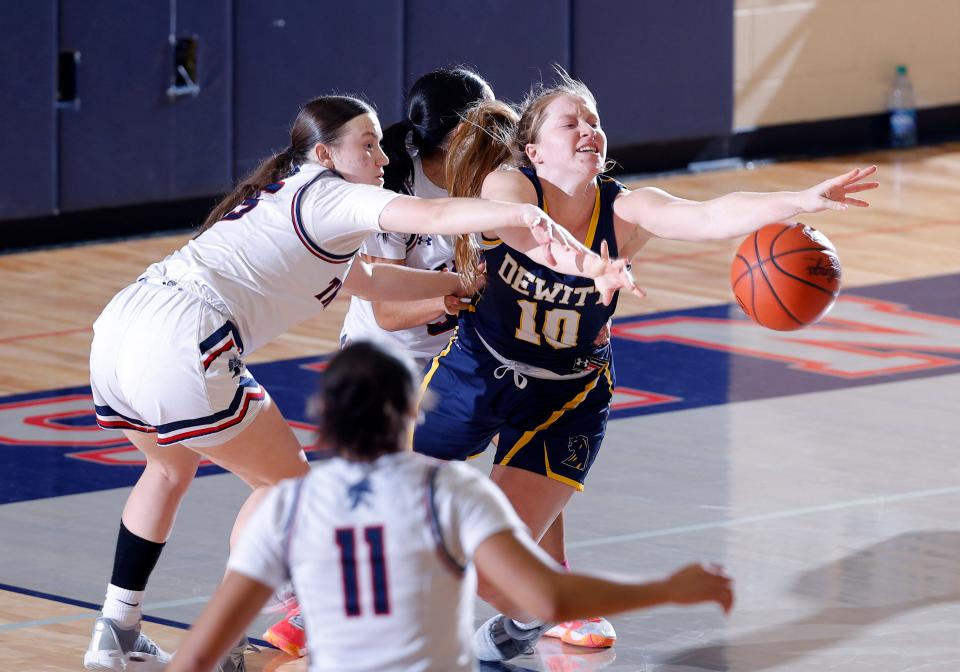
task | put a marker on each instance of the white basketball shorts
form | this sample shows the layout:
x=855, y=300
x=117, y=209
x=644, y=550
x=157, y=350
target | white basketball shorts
x=164, y=361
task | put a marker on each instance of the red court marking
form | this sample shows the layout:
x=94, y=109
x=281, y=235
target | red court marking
x=639, y=398
x=869, y=343
x=50, y=420
x=112, y=456
x=40, y=420
x=642, y=259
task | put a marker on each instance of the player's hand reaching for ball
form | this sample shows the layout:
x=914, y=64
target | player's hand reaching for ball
x=548, y=233
x=835, y=193
x=701, y=583
x=610, y=275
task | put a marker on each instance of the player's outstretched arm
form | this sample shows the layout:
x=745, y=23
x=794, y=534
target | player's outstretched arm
x=386, y=282
x=395, y=315
x=517, y=567
x=225, y=619
x=736, y=214
x=608, y=274
x=409, y=214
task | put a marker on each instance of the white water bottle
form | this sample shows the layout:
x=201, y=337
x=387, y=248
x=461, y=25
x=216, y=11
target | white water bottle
x=903, y=111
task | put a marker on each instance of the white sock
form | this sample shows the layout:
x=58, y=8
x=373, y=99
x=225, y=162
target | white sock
x=123, y=606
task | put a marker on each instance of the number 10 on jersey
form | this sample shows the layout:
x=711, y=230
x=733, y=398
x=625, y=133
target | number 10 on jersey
x=560, y=326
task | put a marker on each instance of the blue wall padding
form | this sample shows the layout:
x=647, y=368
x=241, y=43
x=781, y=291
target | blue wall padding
x=28, y=66
x=660, y=70
x=510, y=43
x=289, y=52
x=126, y=143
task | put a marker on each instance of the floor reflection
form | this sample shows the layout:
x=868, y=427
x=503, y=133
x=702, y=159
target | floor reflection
x=908, y=572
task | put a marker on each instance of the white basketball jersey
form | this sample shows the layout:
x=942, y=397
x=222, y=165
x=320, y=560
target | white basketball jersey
x=431, y=252
x=380, y=558
x=280, y=258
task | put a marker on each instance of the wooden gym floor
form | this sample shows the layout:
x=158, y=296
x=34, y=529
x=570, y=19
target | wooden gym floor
x=820, y=466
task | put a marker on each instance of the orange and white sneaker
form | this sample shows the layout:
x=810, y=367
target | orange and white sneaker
x=288, y=634
x=593, y=633
x=555, y=656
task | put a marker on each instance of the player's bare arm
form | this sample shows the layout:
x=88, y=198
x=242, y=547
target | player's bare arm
x=378, y=282
x=234, y=605
x=537, y=585
x=666, y=216
x=395, y=315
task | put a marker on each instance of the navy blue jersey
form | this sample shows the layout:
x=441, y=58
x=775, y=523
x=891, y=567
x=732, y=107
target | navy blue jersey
x=532, y=314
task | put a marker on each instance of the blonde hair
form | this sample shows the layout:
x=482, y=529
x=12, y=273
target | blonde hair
x=495, y=134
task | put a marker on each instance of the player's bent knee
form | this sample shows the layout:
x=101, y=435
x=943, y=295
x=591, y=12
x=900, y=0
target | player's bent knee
x=175, y=481
x=172, y=476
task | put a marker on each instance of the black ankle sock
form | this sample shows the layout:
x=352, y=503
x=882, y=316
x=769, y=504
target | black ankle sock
x=134, y=560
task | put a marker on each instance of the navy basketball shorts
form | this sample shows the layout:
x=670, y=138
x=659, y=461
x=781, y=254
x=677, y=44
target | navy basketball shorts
x=550, y=427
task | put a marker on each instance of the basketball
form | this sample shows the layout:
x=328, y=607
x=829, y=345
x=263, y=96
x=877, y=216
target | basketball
x=786, y=276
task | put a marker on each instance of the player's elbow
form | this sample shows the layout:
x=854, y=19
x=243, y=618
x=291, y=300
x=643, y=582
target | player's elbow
x=434, y=214
x=386, y=319
x=549, y=602
x=360, y=281
x=688, y=222
x=559, y=599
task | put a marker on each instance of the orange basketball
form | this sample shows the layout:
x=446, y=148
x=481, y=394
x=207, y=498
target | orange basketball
x=786, y=276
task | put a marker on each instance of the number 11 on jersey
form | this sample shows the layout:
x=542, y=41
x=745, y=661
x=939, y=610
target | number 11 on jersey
x=349, y=567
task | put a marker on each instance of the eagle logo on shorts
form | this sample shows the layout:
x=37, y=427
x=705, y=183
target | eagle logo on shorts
x=579, y=449
x=236, y=366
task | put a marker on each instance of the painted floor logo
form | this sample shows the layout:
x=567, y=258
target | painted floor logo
x=51, y=445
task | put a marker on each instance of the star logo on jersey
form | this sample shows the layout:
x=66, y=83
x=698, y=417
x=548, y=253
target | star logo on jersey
x=358, y=492
x=579, y=453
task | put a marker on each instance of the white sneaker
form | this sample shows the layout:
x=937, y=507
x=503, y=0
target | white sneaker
x=116, y=649
x=501, y=639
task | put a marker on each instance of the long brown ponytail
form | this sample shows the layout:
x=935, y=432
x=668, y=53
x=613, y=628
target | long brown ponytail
x=319, y=121
x=496, y=134
x=480, y=145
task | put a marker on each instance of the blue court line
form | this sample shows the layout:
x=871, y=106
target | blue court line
x=777, y=515
x=75, y=617
x=635, y=536
x=96, y=611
